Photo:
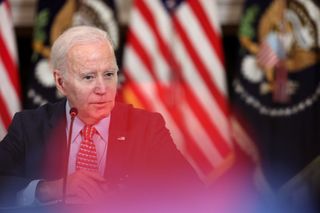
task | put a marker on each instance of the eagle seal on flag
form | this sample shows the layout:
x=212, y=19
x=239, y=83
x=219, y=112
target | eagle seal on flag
x=276, y=87
x=285, y=44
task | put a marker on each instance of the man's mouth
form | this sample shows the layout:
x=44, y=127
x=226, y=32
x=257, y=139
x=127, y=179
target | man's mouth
x=102, y=103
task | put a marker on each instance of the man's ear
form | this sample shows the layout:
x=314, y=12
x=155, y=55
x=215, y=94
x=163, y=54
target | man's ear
x=59, y=80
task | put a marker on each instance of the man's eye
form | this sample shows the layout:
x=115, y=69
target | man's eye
x=109, y=74
x=88, y=77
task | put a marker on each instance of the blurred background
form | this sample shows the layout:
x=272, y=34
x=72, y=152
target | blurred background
x=236, y=80
x=24, y=14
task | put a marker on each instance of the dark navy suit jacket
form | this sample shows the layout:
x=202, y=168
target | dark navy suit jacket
x=140, y=148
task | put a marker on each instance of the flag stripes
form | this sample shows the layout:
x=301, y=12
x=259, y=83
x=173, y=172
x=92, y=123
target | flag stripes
x=9, y=79
x=211, y=30
x=5, y=115
x=203, y=70
x=266, y=56
x=145, y=93
x=9, y=64
x=173, y=64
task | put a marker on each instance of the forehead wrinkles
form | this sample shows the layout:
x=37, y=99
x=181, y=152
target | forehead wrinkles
x=79, y=60
x=93, y=55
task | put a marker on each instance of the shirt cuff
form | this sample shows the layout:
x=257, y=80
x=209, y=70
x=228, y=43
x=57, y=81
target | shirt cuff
x=27, y=196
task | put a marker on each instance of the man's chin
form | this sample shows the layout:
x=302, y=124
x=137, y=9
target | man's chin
x=99, y=113
x=92, y=119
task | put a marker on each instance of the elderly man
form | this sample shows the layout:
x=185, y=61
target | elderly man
x=113, y=146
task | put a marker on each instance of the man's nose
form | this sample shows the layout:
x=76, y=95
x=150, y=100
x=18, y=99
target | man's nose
x=101, y=86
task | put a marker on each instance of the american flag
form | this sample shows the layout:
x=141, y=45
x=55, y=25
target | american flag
x=270, y=56
x=271, y=51
x=173, y=64
x=266, y=56
x=9, y=79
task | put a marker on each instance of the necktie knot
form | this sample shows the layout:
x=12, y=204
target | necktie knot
x=87, y=132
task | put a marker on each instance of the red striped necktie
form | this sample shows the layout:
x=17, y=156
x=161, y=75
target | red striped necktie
x=87, y=155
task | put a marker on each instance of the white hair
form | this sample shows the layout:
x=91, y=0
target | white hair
x=71, y=37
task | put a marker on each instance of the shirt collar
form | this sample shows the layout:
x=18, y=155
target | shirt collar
x=102, y=126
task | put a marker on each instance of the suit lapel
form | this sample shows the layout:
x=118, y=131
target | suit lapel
x=119, y=144
x=55, y=147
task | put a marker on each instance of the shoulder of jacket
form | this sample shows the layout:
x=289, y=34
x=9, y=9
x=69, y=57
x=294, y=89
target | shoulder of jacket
x=130, y=109
x=44, y=110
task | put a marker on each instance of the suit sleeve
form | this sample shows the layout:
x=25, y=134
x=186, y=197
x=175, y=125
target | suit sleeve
x=164, y=159
x=11, y=162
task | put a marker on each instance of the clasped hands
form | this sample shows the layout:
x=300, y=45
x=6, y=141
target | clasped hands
x=82, y=187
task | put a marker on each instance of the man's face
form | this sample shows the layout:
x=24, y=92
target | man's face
x=90, y=81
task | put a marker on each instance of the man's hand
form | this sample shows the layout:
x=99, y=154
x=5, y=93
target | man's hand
x=82, y=187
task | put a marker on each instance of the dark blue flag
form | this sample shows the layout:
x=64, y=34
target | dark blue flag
x=276, y=88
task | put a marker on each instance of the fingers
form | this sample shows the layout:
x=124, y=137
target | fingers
x=94, y=175
x=49, y=190
x=85, y=185
x=82, y=186
x=89, y=187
